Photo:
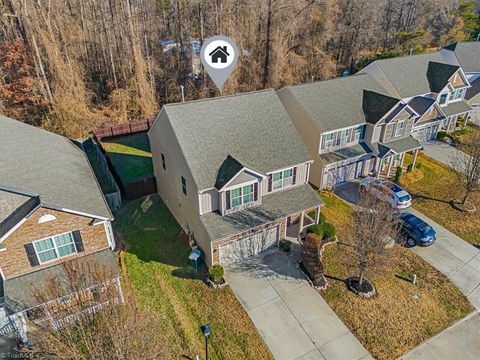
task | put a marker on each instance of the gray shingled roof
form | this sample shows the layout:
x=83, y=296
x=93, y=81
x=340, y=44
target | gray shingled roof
x=345, y=153
x=458, y=107
x=14, y=207
x=253, y=128
x=230, y=167
x=468, y=55
x=408, y=74
x=20, y=291
x=274, y=206
x=407, y=143
x=474, y=90
x=421, y=104
x=438, y=75
x=337, y=103
x=50, y=165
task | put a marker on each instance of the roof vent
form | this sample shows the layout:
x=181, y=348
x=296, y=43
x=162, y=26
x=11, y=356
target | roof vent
x=46, y=218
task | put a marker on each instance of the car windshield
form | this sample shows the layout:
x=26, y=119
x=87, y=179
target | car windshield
x=404, y=198
x=425, y=227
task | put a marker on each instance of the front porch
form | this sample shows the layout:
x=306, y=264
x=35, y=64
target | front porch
x=297, y=224
x=389, y=165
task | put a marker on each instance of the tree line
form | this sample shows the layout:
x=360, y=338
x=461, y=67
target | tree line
x=72, y=65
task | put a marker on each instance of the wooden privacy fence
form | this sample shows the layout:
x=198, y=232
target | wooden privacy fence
x=123, y=129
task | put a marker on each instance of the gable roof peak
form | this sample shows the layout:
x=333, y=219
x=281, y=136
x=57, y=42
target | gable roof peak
x=375, y=106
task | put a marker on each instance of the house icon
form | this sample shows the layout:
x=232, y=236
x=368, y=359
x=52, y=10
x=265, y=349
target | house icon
x=221, y=53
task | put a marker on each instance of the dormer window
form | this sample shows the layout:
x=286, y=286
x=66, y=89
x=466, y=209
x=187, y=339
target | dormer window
x=443, y=99
x=241, y=195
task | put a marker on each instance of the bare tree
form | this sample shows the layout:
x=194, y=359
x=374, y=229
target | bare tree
x=374, y=230
x=90, y=322
x=466, y=165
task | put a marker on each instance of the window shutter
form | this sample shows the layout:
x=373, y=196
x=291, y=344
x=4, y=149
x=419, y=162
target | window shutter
x=31, y=254
x=294, y=180
x=227, y=199
x=255, y=192
x=77, y=238
x=269, y=182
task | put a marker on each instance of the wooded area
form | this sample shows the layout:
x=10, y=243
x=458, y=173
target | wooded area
x=73, y=65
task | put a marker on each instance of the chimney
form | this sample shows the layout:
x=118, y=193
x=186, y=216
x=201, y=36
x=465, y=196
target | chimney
x=224, y=48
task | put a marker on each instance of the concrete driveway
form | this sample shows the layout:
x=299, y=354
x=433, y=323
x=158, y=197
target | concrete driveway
x=293, y=319
x=440, y=151
x=451, y=255
x=460, y=262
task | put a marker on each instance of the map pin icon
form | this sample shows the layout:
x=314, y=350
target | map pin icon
x=219, y=55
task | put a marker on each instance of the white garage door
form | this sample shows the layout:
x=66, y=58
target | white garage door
x=426, y=133
x=341, y=174
x=248, y=246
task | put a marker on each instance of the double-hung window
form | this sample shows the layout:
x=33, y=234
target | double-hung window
x=459, y=94
x=399, y=128
x=241, y=195
x=54, y=247
x=164, y=165
x=184, y=186
x=443, y=99
x=328, y=140
x=282, y=179
x=359, y=132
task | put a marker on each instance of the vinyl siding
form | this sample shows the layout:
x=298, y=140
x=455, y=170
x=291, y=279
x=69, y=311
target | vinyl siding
x=209, y=201
x=389, y=128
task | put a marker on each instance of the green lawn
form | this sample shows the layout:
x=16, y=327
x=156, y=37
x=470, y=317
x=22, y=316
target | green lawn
x=163, y=282
x=392, y=322
x=131, y=156
x=433, y=186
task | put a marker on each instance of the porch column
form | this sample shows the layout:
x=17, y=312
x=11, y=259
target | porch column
x=402, y=159
x=414, y=158
x=465, y=122
x=390, y=162
x=300, y=224
x=317, y=215
x=379, y=168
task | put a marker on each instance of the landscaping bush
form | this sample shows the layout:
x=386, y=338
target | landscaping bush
x=329, y=230
x=418, y=166
x=410, y=167
x=316, y=229
x=441, y=135
x=285, y=245
x=216, y=273
x=398, y=174
x=323, y=218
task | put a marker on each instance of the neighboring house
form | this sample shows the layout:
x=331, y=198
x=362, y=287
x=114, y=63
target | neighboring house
x=351, y=126
x=234, y=172
x=431, y=76
x=467, y=55
x=52, y=212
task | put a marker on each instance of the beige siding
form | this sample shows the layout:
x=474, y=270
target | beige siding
x=209, y=201
x=431, y=114
x=457, y=80
x=389, y=128
x=185, y=209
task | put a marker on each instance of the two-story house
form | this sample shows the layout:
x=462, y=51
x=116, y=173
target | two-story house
x=467, y=56
x=52, y=212
x=351, y=126
x=234, y=173
x=430, y=76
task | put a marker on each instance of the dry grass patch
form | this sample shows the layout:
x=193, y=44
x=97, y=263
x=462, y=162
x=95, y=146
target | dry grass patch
x=392, y=322
x=158, y=271
x=433, y=193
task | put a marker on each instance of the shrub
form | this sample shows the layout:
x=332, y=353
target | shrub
x=418, y=165
x=285, y=245
x=216, y=273
x=441, y=135
x=316, y=229
x=329, y=230
x=410, y=167
x=398, y=174
x=323, y=218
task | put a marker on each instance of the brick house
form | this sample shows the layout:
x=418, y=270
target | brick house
x=234, y=172
x=52, y=212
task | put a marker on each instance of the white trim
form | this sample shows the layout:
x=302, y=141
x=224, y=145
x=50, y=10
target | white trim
x=46, y=218
x=243, y=169
x=2, y=274
x=55, y=247
x=75, y=212
x=110, y=237
x=20, y=223
x=240, y=185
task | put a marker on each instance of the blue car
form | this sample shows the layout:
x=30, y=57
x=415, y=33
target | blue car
x=418, y=232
